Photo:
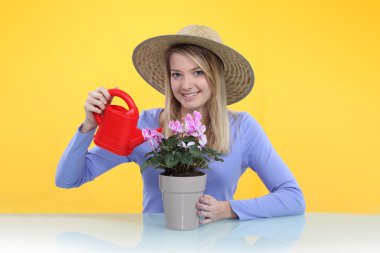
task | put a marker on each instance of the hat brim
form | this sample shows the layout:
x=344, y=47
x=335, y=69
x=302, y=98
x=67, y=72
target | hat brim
x=148, y=61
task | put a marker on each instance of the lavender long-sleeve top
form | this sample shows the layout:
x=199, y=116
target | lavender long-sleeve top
x=249, y=148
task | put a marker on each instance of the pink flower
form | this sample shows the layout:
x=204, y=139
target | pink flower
x=197, y=116
x=200, y=131
x=202, y=140
x=153, y=137
x=192, y=127
x=175, y=126
x=193, y=123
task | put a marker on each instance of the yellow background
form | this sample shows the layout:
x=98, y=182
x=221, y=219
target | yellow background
x=316, y=93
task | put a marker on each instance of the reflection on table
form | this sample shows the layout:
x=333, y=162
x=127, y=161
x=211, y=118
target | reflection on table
x=147, y=233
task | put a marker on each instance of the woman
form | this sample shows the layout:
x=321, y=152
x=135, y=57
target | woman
x=195, y=71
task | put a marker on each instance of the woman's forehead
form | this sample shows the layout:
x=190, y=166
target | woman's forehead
x=181, y=62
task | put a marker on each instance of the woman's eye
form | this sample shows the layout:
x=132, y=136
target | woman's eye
x=198, y=73
x=176, y=75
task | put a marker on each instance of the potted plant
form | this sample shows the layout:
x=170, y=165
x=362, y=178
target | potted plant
x=182, y=157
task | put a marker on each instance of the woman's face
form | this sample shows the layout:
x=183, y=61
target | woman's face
x=188, y=83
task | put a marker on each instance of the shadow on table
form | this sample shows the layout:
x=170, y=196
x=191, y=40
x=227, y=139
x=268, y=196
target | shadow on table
x=262, y=235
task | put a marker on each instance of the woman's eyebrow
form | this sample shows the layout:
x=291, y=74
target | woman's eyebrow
x=190, y=69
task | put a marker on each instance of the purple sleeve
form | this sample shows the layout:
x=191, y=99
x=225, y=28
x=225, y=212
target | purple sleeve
x=79, y=165
x=285, y=197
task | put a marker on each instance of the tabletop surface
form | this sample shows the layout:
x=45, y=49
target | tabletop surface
x=312, y=232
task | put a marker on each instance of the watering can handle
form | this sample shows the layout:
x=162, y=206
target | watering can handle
x=117, y=93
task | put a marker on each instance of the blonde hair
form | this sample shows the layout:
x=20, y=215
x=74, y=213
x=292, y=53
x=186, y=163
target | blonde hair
x=216, y=118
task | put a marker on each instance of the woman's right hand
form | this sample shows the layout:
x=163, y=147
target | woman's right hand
x=96, y=103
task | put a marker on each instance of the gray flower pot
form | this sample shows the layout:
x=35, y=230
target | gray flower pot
x=180, y=196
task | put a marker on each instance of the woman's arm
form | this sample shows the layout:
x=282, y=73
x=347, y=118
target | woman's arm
x=285, y=197
x=79, y=165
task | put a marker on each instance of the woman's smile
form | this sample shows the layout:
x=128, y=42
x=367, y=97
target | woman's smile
x=190, y=96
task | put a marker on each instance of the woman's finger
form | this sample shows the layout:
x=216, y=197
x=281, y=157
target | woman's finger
x=91, y=108
x=209, y=197
x=104, y=92
x=205, y=221
x=97, y=95
x=206, y=214
x=202, y=200
x=203, y=207
x=96, y=102
x=206, y=199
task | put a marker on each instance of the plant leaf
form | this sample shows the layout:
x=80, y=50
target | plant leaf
x=187, y=159
x=171, y=161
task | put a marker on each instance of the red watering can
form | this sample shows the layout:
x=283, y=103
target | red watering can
x=117, y=131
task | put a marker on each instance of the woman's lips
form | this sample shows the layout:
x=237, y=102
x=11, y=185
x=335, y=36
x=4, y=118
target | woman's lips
x=190, y=95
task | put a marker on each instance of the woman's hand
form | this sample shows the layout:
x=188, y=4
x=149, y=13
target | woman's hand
x=213, y=210
x=96, y=102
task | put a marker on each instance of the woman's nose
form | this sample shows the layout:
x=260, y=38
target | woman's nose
x=187, y=82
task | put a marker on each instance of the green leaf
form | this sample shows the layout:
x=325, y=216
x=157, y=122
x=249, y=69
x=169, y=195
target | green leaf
x=146, y=164
x=143, y=167
x=194, y=150
x=149, y=153
x=187, y=159
x=171, y=161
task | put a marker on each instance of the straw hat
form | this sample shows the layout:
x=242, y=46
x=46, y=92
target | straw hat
x=148, y=59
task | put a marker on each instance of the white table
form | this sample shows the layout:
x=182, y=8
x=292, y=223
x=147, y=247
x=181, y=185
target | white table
x=312, y=232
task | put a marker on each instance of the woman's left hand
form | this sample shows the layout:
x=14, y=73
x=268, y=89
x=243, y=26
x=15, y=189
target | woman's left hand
x=213, y=210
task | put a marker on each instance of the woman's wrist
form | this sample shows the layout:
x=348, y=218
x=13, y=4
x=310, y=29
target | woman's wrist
x=86, y=127
x=229, y=213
